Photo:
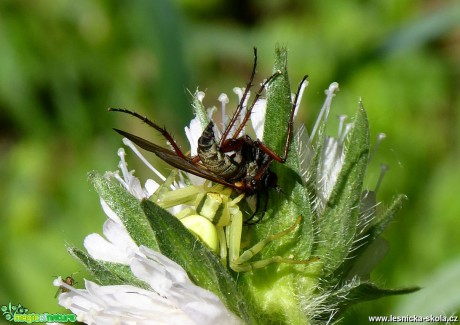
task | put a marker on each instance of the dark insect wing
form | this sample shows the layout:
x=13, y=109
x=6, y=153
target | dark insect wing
x=171, y=158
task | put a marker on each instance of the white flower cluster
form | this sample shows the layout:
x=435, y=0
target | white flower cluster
x=171, y=297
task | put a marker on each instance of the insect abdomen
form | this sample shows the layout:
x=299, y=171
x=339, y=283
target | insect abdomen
x=216, y=161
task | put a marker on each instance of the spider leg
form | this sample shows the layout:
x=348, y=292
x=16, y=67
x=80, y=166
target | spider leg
x=163, y=131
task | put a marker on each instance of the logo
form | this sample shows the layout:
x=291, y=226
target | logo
x=20, y=314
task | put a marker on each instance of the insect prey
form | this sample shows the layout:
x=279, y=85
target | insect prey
x=238, y=162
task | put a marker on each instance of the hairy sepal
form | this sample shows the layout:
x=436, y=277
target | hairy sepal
x=127, y=208
x=202, y=266
x=107, y=273
x=337, y=224
x=351, y=293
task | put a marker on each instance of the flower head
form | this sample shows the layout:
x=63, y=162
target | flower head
x=305, y=262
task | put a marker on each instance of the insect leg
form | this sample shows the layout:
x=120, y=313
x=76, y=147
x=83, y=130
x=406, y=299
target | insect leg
x=252, y=219
x=233, y=144
x=269, y=151
x=248, y=111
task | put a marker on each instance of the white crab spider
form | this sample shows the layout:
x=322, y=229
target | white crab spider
x=214, y=217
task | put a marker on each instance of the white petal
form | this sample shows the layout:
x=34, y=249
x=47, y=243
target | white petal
x=171, y=281
x=151, y=186
x=99, y=248
x=118, y=235
x=304, y=150
x=193, y=133
x=124, y=304
x=299, y=97
x=118, y=248
x=135, y=188
x=109, y=212
x=258, y=117
x=183, y=302
x=331, y=162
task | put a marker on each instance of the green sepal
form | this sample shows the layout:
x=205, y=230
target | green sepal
x=354, y=292
x=358, y=263
x=279, y=104
x=381, y=223
x=267, y=284
x=200, y=110
x=107, y=273
x=292, y=201
x=127, y=208
x=363, y=263
x=337, y=224
x=202, y=266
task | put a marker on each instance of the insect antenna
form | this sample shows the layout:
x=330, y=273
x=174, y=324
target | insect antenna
x=160, y=129
x=241, y=103
x=256, y=98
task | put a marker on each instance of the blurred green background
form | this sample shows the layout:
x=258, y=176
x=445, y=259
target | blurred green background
x=62, y=63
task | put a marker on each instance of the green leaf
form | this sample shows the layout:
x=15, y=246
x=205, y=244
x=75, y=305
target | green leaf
x=279, y=104
x=337, y=225
x=107, y=273
x=203, y=267
x=127, y=208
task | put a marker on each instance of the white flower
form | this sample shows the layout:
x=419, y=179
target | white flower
x=119, y=247
x=193, y=133
x=171, y=298
x=142, y=286
x=332, y=154
x=331, y=161
x=131, y=183
x=258, y=117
